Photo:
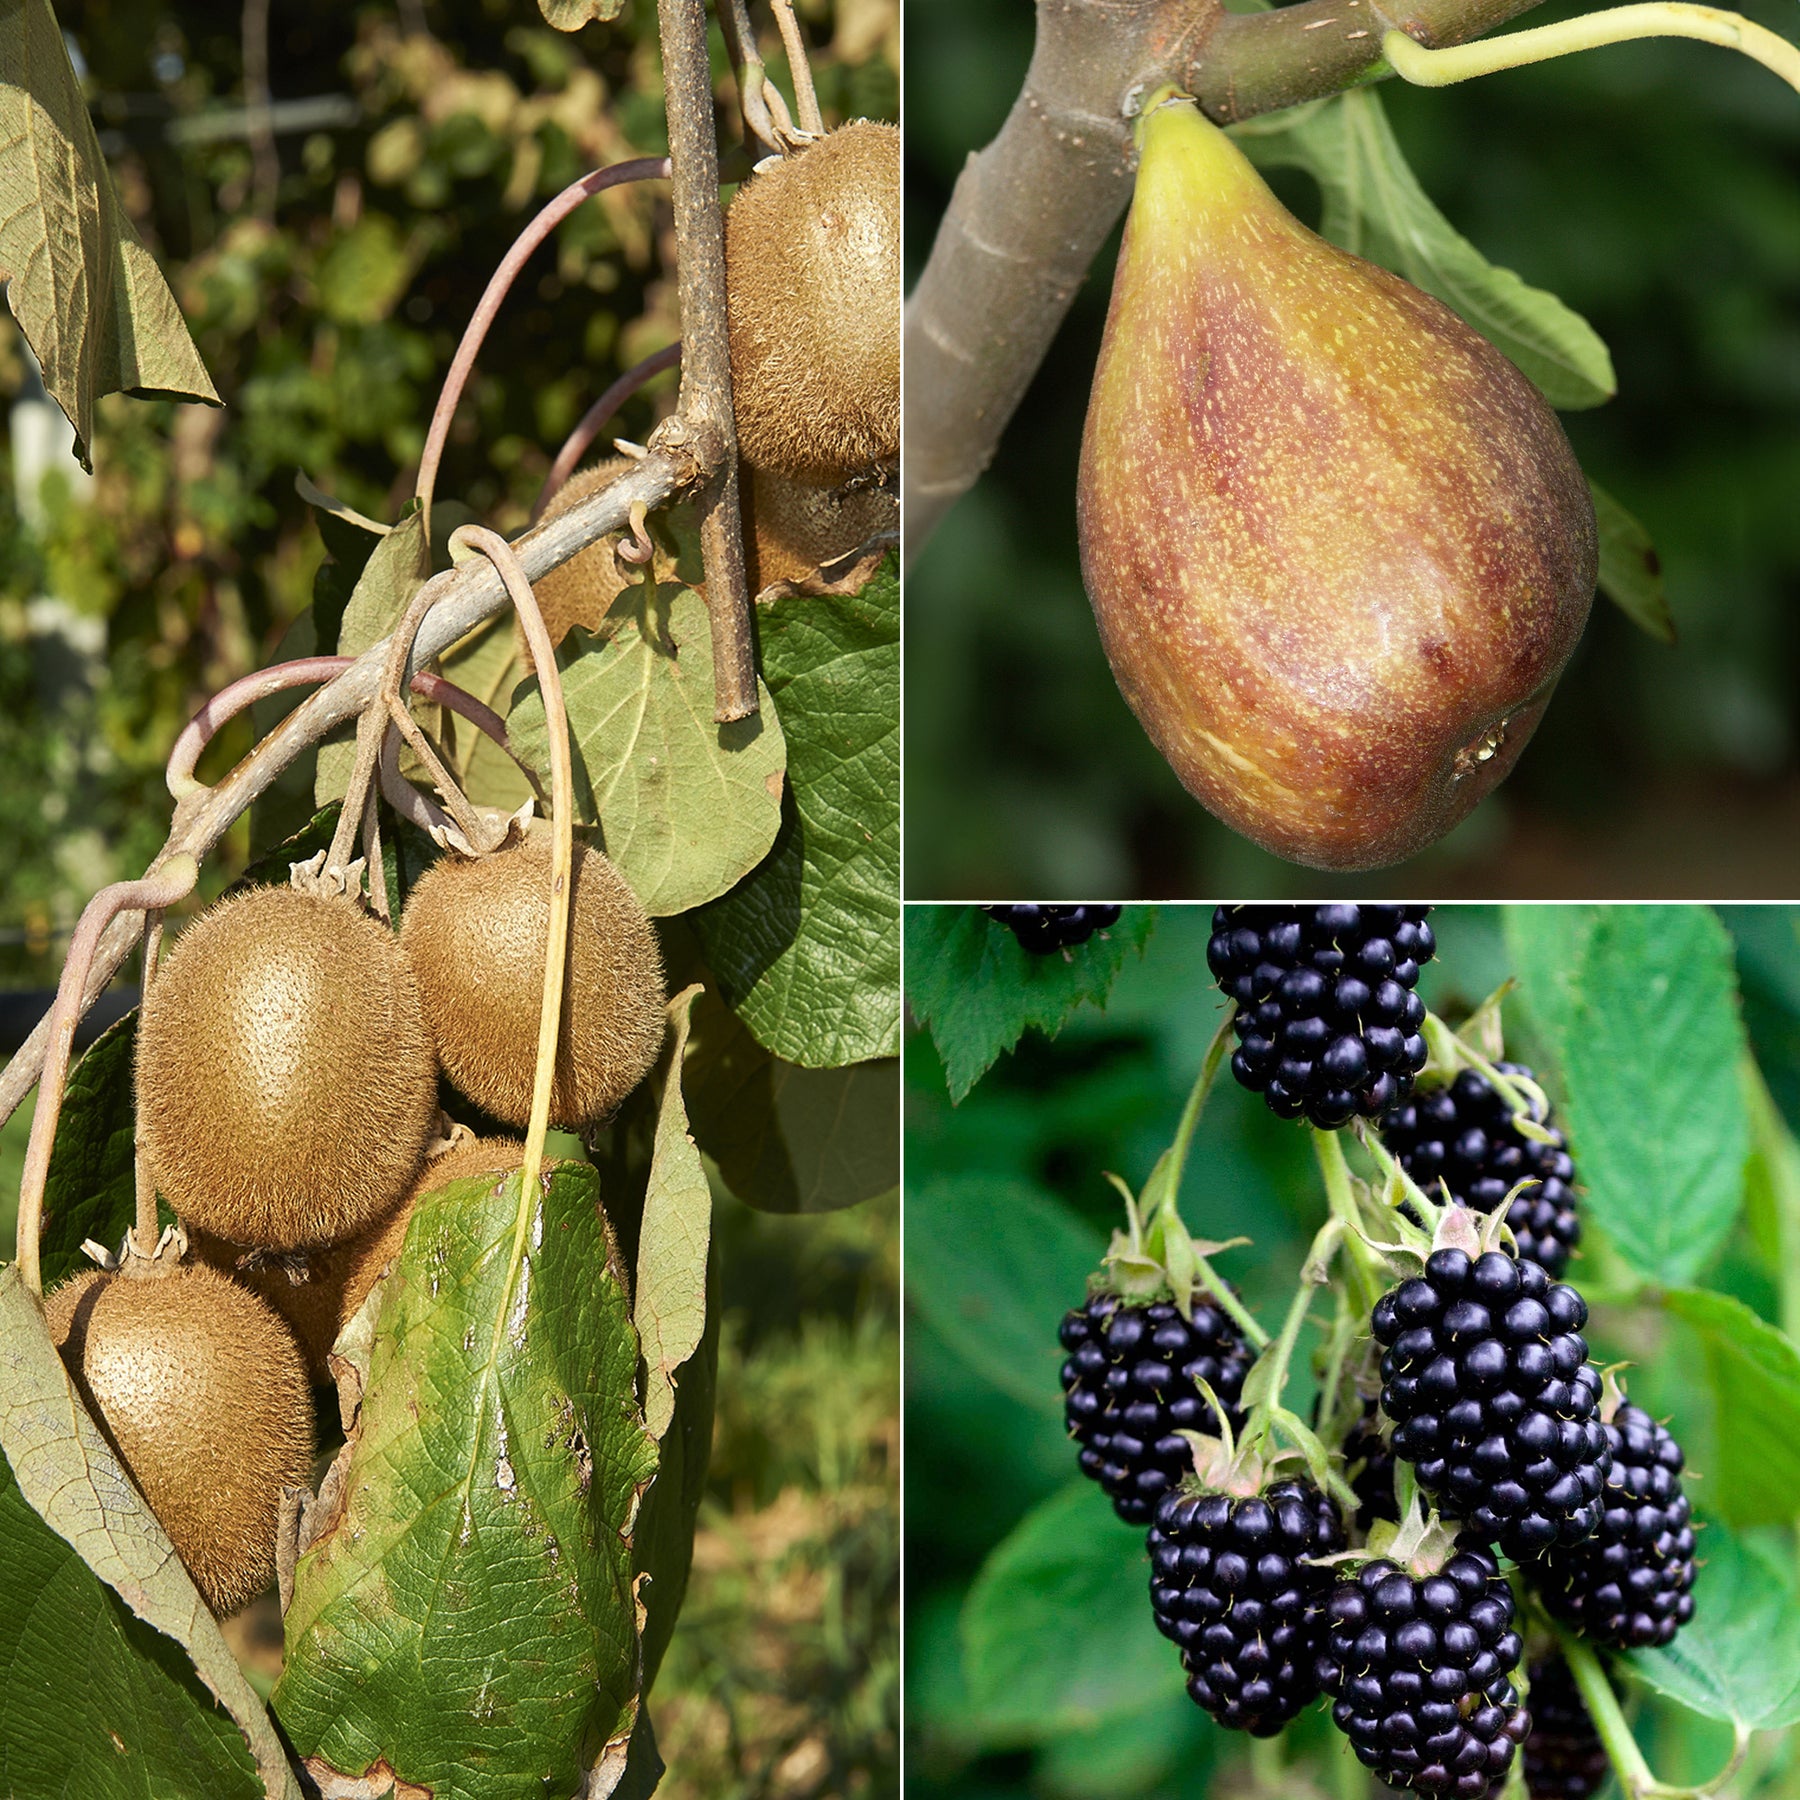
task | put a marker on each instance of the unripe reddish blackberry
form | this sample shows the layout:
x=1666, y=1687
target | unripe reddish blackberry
x=1043, y=929
x=1129, y=1390
x=1487, y=1379
x=1630, y=1585
x=1231, y=1586
x=1464, y=1137
x=1418, y=1667
x=1564, y=1758
x=1328, y=1025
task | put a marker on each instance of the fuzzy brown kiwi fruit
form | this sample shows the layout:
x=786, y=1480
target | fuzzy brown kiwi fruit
x=475, y=932
x=285, y=1082
x=333, y=1282
x=580, y=590
x=812, y=274
x=793, y=528
x=202, y=1392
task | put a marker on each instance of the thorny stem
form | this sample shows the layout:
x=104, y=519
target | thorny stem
x=806, y=100
x=172, y=882
x=588, y=427
x=642, y=168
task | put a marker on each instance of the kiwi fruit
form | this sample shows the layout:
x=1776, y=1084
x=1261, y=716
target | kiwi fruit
x=580, y=591
x=793, y=528
x=202, y=1393
x=475, y=931
x=285, y=1082
x=812, y=286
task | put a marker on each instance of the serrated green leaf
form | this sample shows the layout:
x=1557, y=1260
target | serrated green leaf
x=478, y=1577
x=1755, y=1375
x=969, y=981
x=88, y=296
x=687, y=807
x=1057, y=1631
x=1547, y=944
x=1375, y=208
x=994, y=1264
x=807, y=950
x=1739, y=1657
x=1631, y=574
x=138, y=1683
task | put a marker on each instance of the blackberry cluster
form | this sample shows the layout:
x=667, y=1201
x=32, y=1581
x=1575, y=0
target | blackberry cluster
x=1369, y=1464
x=1629, y=1585
x=1418, y=1670
x=1129, y=1389
x=1463, y=1136
x=1487, y=1379
x=1230, y=1586
x=1042, y=929
x=1328, y=1025
x=1564, y=1758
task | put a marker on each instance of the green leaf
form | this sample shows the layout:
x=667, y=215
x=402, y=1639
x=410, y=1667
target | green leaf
x=362, y=275
x=1375, y=208
x=807, y=950
x=1057, y=1632
x=687, y=806
x=1738, y=1658
x=994, y=1264
x=98, y=1619
x=88, y=296
x=968, y=980
x=476, y=1573
x=1655, y=1102
x=488, y=664
x=1630, y=570
x=1547, y=944
x=1755, y=1375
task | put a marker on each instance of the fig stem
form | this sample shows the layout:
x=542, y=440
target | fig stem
x=587, y=428
x=162, y=887
x=1617, y=25
x=806, y=99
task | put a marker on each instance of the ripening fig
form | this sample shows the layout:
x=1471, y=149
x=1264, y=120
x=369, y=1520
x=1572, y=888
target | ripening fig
x=1337, y=545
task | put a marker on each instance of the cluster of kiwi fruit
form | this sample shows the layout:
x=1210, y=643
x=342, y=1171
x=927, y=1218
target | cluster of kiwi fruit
x=288, y=1058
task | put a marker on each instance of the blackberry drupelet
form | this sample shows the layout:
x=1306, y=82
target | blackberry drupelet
x=1369, y=1464
x=1129, y=1389
x=1487, y=1380
x=1463, y=1135
x=1043, y=929
x=1418, y=1671
x=1564, y=1758
x=1229, y=1586
x=1328, y=1025
x=1630, y=1584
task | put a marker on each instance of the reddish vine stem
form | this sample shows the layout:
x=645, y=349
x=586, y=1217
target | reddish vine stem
x=581, y=438
x=643, y=168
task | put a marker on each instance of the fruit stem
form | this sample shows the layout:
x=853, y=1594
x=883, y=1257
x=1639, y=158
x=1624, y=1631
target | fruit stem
x=587, y=428
x=160, y=888
x=1269, y=1377
x=1210, y=1065
x=806, y=100
x=755, y=90
x=1603, y=1708
x=1367, y=1271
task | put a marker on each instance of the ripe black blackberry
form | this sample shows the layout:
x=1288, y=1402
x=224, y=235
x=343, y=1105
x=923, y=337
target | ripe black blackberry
x=1327, y=1021
x=1369, y=1465
x=1630, y=1584
x=1042, y=929
x=1463, y=1136
x=1418, y=1666
x=1487, y=1380
x=1129, y=1389
x=1229, y=1586
x=1564, y=1758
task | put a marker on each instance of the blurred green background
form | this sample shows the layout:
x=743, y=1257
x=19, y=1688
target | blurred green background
x=1053, y=1117
x=1656, y=189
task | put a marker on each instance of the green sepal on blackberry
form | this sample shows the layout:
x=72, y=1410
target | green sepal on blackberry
x=1564, y=1757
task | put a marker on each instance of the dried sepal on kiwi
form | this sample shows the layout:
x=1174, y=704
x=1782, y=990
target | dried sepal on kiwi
x=286, y=1087
x=475, y=932
x=202, y=1392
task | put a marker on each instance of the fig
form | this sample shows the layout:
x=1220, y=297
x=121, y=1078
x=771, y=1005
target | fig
x=1337, y=545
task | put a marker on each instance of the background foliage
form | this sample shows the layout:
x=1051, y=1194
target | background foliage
x=1656, y=189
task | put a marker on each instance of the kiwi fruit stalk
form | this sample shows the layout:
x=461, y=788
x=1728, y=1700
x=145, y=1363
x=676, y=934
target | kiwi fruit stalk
x=285, y=1082
x=812, y=284
x=475, y=932
x=202, y=1393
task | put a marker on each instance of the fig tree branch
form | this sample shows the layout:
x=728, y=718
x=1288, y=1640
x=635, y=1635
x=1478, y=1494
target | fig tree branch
x=1030, y=211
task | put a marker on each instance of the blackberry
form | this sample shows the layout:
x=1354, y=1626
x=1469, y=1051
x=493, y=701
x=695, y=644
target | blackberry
x=1129, y=1389
x=1463, y=1135
x=1629, y=1585
x=1564, y=1758
x=1487, y=1380
x=1042, y=929
x=1230, y=1586
x=1369, y=1464
x=1418, y=1671
x=1327, y=1021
